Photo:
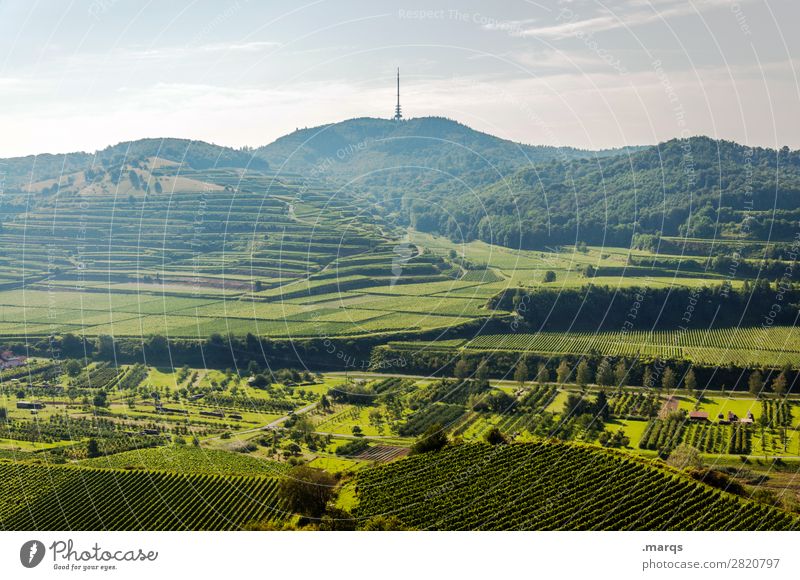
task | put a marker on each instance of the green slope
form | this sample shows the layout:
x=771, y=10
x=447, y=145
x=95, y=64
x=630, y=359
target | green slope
x=39, y=497
x=550, y=486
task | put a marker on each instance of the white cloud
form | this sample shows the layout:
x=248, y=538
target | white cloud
x=573, y=19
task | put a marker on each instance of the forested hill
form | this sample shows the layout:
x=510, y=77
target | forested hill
x=443, y=177
x=190, y=153
x=729, y=190
x=416, y=157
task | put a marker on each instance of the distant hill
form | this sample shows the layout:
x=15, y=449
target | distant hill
x=416, y=156
x=443, y=177
x=193, y=154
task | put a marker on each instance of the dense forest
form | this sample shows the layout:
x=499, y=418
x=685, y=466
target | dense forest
x=602, y=308
x=697, y=187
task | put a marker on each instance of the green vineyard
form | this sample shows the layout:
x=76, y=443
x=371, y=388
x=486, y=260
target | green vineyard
x=719, y=439
x=549, y=486
x=38, y=497
x=774, y=346
x=663, y=435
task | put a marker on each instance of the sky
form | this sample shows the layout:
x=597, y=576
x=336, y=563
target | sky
x=84, y=74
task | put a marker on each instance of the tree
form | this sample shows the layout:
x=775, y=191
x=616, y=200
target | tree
x=375, y=417
x=134, y=179
x=462, y=369
x=620, y=373
x=495, y=437
x=252, y=368
x=601, y=408
x=482, y=372
x=583, y=376
x=647, y=378
x=357, y=431
x=668, y=379
x=684, y=457
x=779, y=384
x=92, y=448
x=499, y=401
x=433, y=439
x=3, y=413
x=72, y=367
x=325, y=403
x=100, y=399
x=307, y=490
x=337, y=520
x=755, y=383
x=261, y=381
x=521, y=372
x=605, y=374
x=574, y=405
x=292, y=448
x=563, y=371
x=542, y=374
x=158, y=187
x=690, y=382
x=549, y=276
x=72, y=345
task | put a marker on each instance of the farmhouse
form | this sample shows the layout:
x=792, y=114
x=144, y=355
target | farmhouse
x=29, y=405
x=698, y=416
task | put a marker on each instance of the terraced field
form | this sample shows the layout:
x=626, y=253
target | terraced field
x=187, y=254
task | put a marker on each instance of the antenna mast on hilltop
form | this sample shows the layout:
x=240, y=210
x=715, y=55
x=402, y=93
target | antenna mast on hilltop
x=397, y=114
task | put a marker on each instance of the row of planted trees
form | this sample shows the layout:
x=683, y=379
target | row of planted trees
x=622, y=372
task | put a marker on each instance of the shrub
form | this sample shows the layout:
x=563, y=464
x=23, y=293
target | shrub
x=433, y=439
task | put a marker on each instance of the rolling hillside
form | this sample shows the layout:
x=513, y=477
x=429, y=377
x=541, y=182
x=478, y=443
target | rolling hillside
x=63, y=498
x=550, y=486
x=697, y=188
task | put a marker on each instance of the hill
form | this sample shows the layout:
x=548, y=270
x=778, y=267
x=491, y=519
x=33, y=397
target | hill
x=415, y=155
x=697, y=187
x=194, y=154
x=550, y=486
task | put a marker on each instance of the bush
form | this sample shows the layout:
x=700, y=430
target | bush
x=717, y=479
x=307, y=490
x=353, y=447
x=383, y=524
x=337, y=520
x=495, y=437
x=433, y=439
x=243, y=447
x=685, y=457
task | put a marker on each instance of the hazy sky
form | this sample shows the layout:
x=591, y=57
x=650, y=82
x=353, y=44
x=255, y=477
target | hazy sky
x=85, y=74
